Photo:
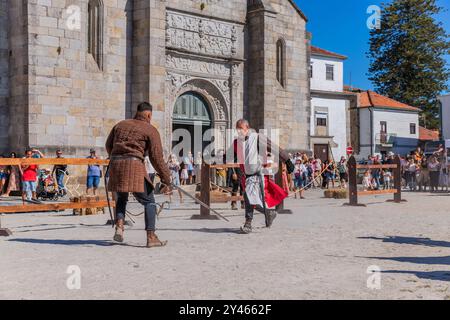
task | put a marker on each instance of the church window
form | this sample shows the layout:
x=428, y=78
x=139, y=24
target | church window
x=281, y=62
x=95, y=29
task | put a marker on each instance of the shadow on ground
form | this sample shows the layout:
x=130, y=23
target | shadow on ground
x=429, y=275
x=102, y=243
x=418, y=260
x=206, y=230
x=411, y=240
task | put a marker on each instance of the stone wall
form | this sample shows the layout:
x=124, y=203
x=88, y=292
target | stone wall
x=286, y=108
x=18, y=79
x=4, y=76
x=204, y=53
x=73, y=103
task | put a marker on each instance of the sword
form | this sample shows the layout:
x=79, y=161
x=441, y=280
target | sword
x=107, y=196
x=204, y=205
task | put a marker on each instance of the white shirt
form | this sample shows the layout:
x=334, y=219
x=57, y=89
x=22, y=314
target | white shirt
x=148, y=166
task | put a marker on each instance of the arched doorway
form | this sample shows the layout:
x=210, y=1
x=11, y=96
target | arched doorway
x=191, y=109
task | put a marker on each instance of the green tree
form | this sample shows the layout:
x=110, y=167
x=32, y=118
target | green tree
x=407, y=56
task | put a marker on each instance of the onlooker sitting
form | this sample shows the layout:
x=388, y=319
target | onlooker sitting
x=367, y=181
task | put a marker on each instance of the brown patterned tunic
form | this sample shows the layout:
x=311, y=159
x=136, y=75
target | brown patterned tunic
x=134, y=138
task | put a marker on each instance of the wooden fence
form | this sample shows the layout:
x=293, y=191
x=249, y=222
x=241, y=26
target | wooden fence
x=353, y=193
x=54, y=206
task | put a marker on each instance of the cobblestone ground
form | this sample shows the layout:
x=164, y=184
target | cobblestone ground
x=324, y=250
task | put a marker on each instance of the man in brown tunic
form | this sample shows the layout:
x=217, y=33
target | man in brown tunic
x=127, y=145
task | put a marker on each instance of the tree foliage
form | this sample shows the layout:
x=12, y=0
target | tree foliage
x=407, y=56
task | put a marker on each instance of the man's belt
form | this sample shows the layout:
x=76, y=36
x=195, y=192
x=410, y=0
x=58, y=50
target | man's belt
x=126, y=158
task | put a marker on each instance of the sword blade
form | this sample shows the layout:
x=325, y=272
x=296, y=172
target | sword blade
x=204, y=205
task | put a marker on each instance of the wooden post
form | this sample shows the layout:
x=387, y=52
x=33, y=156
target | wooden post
x=352, y=183
x=397, y=181
x=4, y=232
x=205, y=194
x=279, y=180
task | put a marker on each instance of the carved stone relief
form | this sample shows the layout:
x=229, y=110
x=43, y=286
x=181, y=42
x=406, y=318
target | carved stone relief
x=200, y=35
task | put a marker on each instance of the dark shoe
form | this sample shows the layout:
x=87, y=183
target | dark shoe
x=153, y=241
x=118, y=236
x=270, y=216
x=234, y=206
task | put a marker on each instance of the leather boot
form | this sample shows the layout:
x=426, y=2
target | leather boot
x=118, y=236
x=247, y=227
x=233, y=203
x=153, y=241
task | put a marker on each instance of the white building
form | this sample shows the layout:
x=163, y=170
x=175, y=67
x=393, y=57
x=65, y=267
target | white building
x=445, y=115
x=386, y=125
x=330, y=129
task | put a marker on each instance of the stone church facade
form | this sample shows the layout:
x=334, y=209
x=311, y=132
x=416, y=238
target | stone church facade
x=65, y=82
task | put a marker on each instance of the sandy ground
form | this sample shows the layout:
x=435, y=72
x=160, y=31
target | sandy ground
x=322, y=251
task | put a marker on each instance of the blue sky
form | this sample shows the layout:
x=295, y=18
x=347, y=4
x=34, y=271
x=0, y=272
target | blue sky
x=340, y=26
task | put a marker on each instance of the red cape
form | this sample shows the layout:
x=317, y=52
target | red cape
x=273, y=193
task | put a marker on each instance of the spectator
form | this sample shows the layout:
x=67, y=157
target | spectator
x=94, y=174
x=198, y=168
x=299, y=178
x=434, y=169
x=411, y=174
x=443, y=177
x=184, y=176
x=14, y=177
x=376, y=173
x=3, y=176
x=343, y=175
x=387, y=179
x=367, y=181
x=37, y=154
x=60, y=171
x=174, y=168
x=29, y=177
x=189, y=161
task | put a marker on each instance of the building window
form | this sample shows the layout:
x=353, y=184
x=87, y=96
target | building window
x=330, y=72
x=311, y=69
x=281, y=62
x=95, y=30
x=321, y=122
x=383, y=127
x=412, y=128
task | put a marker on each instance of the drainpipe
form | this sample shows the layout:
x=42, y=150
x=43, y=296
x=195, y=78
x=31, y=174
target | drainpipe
x=372, y=137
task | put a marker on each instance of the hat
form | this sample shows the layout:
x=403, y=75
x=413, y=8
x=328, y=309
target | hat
x=390, y=154
x=92, y=151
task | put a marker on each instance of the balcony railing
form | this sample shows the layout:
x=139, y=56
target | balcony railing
x=386, y=139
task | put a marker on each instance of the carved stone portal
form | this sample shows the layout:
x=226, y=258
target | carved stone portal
x=178, y=84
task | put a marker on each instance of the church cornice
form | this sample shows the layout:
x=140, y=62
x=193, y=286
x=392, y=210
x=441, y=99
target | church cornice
x=242, y=23
x=204, y=56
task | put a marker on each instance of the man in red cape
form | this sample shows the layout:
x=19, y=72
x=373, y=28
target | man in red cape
x=261, y=192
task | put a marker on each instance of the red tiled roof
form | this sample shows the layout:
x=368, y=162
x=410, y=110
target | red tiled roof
x=428, y=135
x=370, y=99
x=323, y=52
